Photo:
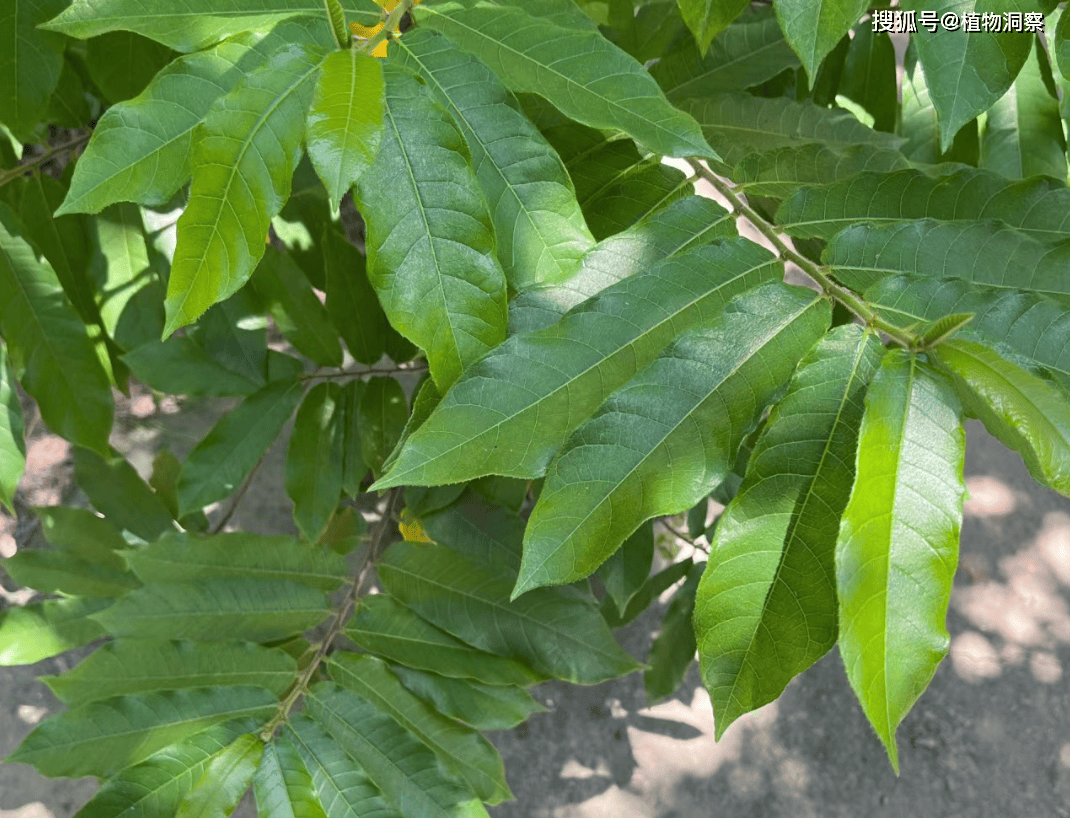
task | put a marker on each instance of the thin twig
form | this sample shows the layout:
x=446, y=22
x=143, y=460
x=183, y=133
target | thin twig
x=14, y=173
x=356, y=373
x=215, y=529
x=392, y=23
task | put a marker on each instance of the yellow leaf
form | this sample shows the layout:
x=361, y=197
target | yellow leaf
x=411, y=529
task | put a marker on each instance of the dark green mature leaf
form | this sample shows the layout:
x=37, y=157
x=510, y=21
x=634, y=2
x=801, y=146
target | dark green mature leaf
x=683, y=418
x=234, y=332
x=43, y=629
x=920, y=126
x=460, y=750
x=482, y=706
x=674, y=648
x=142, y=666
x=30, y=63
x=898, y=543
x=766, y=607
x=814, y=27
x=431, y=242
x=141, y=150
x=385, y=627
x=782, y=171
x=966, y=73
x=315, y=461
x=219, y=463
x=515, y=407
x=283, y=785
x=48, y=347
x=181, y=366
x=343, y=787
x=224, y=781
x=1023, y=133
x=244, y=156
x=345, y=120
x=121, y=63
x=351, y=302
x=101, y=738
x=157, y=785
x=12, y=442
x=869, y=75
x=557, y=631
x=627, y=568
x=398, y=764
x=353, y=466
x=117, y=491
x=54, y=571
x=486, y=533
x=706, y=18
x=748, y=52
x=654, y=587
x=1024, y=411
x=382, y=415
x=69, y=105
x=983, y=252
x=573, y=66
x=1038, y=206
x=541, y=231
x=80, y=532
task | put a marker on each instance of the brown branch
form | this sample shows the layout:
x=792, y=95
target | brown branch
x=14, y=173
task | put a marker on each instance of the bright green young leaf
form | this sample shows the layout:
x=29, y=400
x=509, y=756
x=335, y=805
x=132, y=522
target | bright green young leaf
x=482, y=706
x=869, y=75
x=224, y=781
x=1024, y=411
x=120, y=263
x=580, y=72
x=460, y=750
x=383, y=412
x=558, y=632
x=283, y=785
x=315, y=460
x=683, y=418
x=181, y=366
x=217, y=610
x=966, y=73
x=766, y=607
x=52, y=571
x=117, y=491
x=48, y=346
x=30, y=63
x=814, y=27
x=244, y=156
x=706, y=18
x=385, y=627
x=674, y=648
x=546, y=383
x=39, y=630
x=345, y=120
x=627, y=568
x=122, y=63
x=143, y=666
x=898, y=543
x=1023, y=133
x=540, y=228
x=352, y=304
x=431, y=242
x=101, y=738
x=12, y=442
x=223, y=459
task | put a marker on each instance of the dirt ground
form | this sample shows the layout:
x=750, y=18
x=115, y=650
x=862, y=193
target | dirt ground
x=989, y=739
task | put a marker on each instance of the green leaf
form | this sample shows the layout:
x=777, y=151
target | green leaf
x=143, y=666
x=489, y=535
x=706, y=18
x=460, y=750
x=627, y=568
x=431, y=243
x=869, y=75
x=673, y=650
x=12, y=441
x=48, y=347
x=966, y=73
x=683, y=416
x=748, y=52
x=69, y=106
x=569, y=64
x=120, y=263
x=234, y=332
x=53, y=571
x=546, y=383
x=351, y=302
x=80, y=532
x=898, y=543
x=983, y=252
x=141, y=149
x=814, y=28
x=353, y=466
x=117, y=491
x=1023, y=133
x=385, y=627
x=315, y=460
x=918, y=122
x=1024, y=411
x=406, y=771
x=181, y=366
x=30, y=65
x=1036, y=206
x=223, y=459
x=558, y=631
x=122, y=63
x=184, y=557
x=101, y=738
x=298, y=312
x=344, y=788
x=217, y=610
x=782, y=171
x=647, y=32
x=157, y=785
x=283, y=786
x=482, y=706
x=345, y=121
x=383, y=412
x=654, y=587
x=244, y=157
x=43, y=629
x=224, y=781
x=766, y=607
x=541, y=231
